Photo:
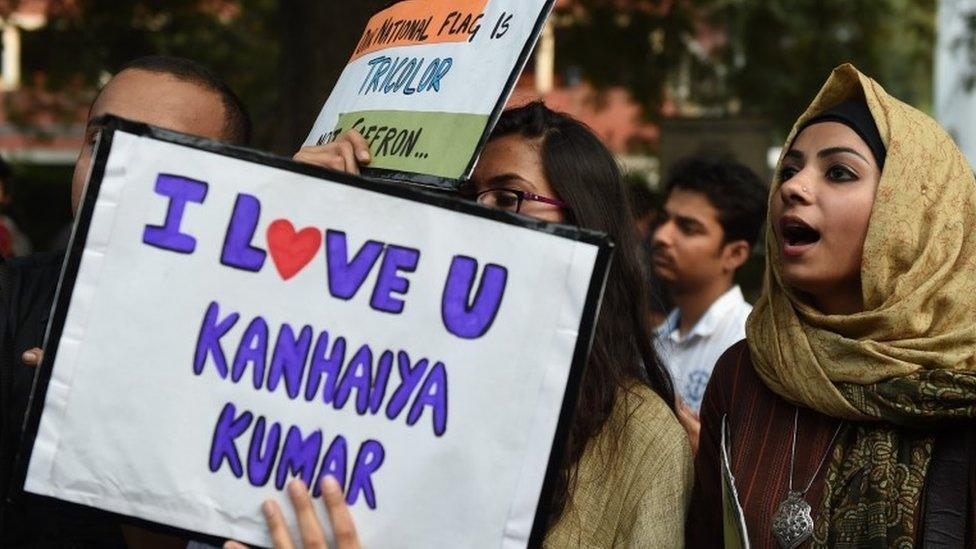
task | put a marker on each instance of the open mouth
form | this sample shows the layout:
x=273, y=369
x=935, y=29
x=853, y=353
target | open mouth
x=797, y=234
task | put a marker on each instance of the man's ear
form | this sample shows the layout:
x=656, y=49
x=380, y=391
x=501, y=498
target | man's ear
x=735, y=255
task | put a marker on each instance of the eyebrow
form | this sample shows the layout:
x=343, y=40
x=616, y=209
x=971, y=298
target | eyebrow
x=684, y=219
x=795, y=154
x=496, y=180
x=835, y=150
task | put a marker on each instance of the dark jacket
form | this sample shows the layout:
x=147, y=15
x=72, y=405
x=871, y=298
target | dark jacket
x=27, y=289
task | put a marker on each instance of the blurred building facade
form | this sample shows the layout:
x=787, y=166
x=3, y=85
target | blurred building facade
x=35, y=127
x=42, y=128
x=686, y=126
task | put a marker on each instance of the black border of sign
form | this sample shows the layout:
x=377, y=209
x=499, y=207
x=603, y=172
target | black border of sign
x=72, y=263
x=452, y=184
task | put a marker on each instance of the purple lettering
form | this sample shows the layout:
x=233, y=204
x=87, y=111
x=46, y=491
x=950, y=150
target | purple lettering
x=223, y=445
x=333, y=464
x=259, y=467
x=180, y=190
x=253, y=350
x=345, y=276
x=298, y=456
x=472, y=321
x=288, y=360
x=208, y=341
x=410, y=377
x=356, y=376
x=238, y=251
x=325, y=363
x=396, y=260
x=368, y=460
x=433, y=394
x=376, y=394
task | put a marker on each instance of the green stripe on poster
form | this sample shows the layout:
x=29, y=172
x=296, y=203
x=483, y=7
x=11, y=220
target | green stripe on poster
x=400, y=140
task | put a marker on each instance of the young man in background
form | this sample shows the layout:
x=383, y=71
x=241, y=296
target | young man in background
x=711, y=221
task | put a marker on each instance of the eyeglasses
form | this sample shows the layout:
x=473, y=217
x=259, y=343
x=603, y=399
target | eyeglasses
x=511, y=200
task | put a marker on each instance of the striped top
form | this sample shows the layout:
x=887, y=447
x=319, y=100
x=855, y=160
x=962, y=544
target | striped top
x=760, y=427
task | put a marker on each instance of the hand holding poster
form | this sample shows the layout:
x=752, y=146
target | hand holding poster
x=228, y=321
x=426, y=82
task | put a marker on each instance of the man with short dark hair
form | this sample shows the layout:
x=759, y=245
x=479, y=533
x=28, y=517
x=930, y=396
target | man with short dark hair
x=168, y=92
x=712, y=217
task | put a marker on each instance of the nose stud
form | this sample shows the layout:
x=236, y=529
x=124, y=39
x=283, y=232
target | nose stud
x=805, y=189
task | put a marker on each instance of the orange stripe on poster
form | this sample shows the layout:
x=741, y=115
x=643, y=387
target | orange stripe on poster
x=414, y=22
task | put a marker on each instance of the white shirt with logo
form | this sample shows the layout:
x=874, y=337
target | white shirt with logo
x=692, y=358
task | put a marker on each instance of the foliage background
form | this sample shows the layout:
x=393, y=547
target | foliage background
x=283, y=57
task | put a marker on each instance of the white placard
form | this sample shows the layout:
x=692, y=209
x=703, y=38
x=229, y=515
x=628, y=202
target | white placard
x=228, y=321
x=425, y=80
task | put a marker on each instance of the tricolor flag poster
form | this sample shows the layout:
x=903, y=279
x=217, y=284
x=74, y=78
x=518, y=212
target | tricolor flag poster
x=228, y=321
x=427, y=81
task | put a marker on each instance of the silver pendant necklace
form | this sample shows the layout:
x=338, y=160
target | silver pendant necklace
x=793, y=521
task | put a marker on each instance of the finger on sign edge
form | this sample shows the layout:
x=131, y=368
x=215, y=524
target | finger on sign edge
x=277, y=527
x=348, y=154
x=308, y=522
x=343, y=527
x=32, y=357
x=360, y=146
x=327, y=159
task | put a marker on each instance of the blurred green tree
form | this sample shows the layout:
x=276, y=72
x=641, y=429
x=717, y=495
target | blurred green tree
x=776, y=55
x=316, y=39
x=635, y=44
x=781, y=51
x=282, y=57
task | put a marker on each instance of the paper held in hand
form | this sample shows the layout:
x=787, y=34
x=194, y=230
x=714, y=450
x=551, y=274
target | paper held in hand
x=427, y=81
x=734, y=521
x=229, y=320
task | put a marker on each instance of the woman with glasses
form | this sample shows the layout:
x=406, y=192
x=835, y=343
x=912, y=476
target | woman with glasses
x=627, y=473
x=627, y=476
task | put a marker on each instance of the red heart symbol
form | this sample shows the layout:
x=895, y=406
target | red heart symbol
x=292, y=250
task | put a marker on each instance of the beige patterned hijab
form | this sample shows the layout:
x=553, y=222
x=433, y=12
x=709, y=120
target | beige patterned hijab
x=909, y=358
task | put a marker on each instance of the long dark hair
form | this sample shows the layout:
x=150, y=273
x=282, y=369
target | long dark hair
x=585, y=176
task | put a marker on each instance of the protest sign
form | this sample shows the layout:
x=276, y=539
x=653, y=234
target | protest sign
x=229, y=320
x=427, y=81
x=734, y=529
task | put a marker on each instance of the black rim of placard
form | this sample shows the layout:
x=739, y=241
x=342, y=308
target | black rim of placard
x=434, y=198
x=512, y=80
x=452, y=184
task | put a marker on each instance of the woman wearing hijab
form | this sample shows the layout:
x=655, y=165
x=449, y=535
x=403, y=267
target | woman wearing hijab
x=849, y=408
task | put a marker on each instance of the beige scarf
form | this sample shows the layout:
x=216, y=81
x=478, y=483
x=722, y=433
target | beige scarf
x=910, y=357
